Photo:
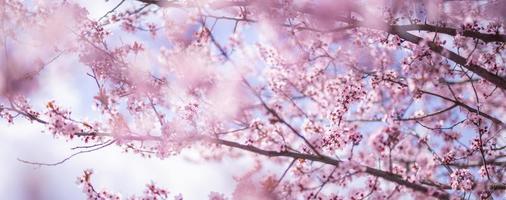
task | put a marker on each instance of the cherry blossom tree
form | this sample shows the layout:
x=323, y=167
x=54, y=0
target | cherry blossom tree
x=369, y=99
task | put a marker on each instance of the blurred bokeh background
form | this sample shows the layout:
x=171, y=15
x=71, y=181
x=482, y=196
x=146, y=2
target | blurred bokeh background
x=119, y=172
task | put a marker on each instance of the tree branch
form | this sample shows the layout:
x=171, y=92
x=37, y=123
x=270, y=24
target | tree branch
x=482, y=72
x=456, y=102
x=401, y=31
x=485, y=37
x=328, y=160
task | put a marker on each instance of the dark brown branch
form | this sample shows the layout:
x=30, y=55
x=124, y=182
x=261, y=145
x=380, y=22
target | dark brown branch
x=280, y=119
x=428, y=115
x=319, y=158
x=401, y=31
x=485, y=37
x=482, y=72
x=478, y=164
x=456, y=102
x=467, y=107
x=26, y=114
x=328, y=160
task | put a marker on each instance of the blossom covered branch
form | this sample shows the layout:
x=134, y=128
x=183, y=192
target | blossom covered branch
x=352, y=99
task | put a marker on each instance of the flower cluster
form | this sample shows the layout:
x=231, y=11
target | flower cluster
x=335, y=139
x=385, y=139
x=89, y=190
x=462, y=179
x=152, y=192
x=60, y=122
x=216, y=196
x=6, y=115
x=344, y=91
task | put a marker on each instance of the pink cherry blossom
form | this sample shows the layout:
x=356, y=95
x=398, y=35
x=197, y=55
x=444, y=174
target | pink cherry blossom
x=339, y=99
